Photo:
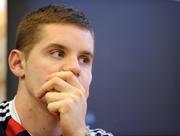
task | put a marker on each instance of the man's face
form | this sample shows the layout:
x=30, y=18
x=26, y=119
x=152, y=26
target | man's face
x=62, y=48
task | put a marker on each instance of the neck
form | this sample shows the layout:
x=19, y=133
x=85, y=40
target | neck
x=34, y=115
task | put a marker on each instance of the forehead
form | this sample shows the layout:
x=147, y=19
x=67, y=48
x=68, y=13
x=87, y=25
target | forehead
x=70, y=36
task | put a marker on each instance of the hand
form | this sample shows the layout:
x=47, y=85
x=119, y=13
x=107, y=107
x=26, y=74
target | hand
x=65, y=95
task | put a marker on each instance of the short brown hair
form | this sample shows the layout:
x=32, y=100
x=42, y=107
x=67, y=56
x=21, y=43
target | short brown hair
x=28, y=31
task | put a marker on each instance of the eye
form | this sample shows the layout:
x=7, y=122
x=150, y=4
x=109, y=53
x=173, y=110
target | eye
x=84, y=60
x=57, y=54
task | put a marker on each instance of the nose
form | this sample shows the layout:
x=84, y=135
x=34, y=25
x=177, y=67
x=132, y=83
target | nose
x=72, y=64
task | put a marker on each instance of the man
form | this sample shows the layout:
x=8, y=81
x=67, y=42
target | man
x=53, y=61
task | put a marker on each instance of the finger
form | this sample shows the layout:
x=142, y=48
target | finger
x=56, y=84
x=56, y=96
x=69, y=77
x=60, y=106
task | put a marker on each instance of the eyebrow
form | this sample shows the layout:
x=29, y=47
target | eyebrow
x=63, y=47
x=88, y=53
x=55, y=45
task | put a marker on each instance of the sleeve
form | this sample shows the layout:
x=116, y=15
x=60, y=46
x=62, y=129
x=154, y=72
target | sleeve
x=98, y=132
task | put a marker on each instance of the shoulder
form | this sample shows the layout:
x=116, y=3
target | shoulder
x=98, y=132
x=4, y=111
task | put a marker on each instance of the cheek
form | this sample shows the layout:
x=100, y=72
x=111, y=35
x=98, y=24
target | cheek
x=86, y=80
x=36, y=74
x=39, y=70
x=47, y=67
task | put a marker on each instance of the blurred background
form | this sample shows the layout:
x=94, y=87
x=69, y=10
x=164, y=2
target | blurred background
x=3, y=48
x=136, y=73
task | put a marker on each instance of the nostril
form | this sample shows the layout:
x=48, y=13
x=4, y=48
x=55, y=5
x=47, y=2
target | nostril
x=73, y=66
x=77, y=74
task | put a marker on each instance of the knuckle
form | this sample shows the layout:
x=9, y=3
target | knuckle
x=55, y=83
x=69, y=103
x=79, y=93
x=50, y=107
x=47, y=95
x=55, y=80
x=74, y=99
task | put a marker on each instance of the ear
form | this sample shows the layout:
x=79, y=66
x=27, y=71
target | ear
x=17, y=62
